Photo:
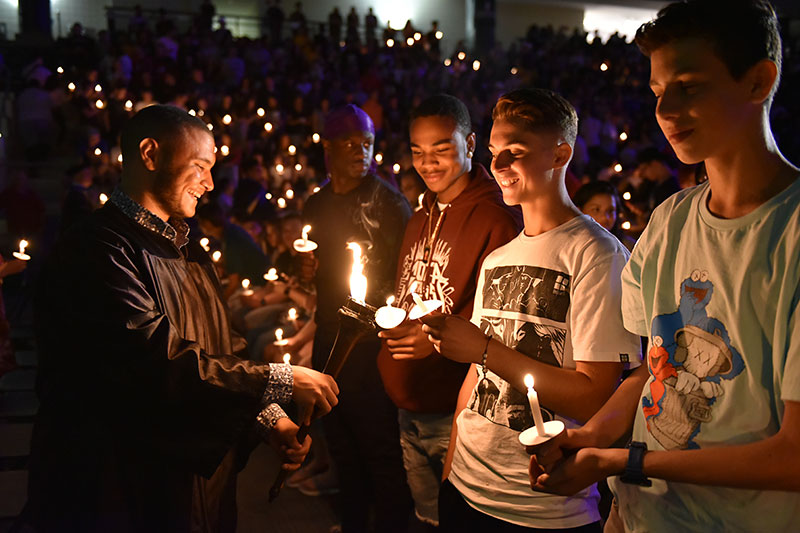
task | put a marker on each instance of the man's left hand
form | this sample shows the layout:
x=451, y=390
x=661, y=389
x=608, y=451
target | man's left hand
x=283, y=439
x=454, y=337
x=407, y=341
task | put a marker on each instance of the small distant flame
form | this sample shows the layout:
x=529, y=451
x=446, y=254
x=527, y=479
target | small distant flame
x=287, y=358
x=292, y=314
x=390, y=300
x=279, y=334
x=245, y=283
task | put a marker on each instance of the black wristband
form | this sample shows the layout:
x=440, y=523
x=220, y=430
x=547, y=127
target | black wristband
x=634, y=472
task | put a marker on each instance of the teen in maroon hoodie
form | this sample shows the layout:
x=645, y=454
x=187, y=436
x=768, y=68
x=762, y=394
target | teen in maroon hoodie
x=463, y=218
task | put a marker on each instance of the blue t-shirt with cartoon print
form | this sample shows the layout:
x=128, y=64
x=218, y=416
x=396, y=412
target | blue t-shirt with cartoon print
x=718, y=300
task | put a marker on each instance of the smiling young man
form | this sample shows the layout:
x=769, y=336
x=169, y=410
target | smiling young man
x=143, y=399
x=547, y=304
x=714, y=283
x=462, y=220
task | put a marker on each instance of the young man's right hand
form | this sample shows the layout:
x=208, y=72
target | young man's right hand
x=314, y=393
x=407, y=341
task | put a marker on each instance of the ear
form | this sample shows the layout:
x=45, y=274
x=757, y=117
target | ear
x=563, y=153
x=761, y=79
x=471, y=144
x=148, y=151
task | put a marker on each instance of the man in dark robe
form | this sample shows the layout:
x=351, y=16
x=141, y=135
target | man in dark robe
x=143, y=400
x=363, y=434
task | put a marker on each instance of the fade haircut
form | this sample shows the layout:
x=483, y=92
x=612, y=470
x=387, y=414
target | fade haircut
x=164, y=123
x=538, y=110
x=444, y=105
x=741, y=32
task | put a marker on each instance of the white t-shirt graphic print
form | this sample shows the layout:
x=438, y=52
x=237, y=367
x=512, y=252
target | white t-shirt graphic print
x=554, y=297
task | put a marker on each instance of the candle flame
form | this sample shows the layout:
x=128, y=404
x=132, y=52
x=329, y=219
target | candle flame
x=528, y=381
x=216, y=256
x=245, y=283
x=22, y=245
x=287, y=358
x=358, y=282
x=279, y=334
x=103, y=198
x=204, y=243
x=292, y=314
x=306, y=230
x=289, y=194
x=390, y=300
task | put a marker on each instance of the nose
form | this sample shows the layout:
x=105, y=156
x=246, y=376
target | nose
x=207, y=181
x=668, y=106
x=502, y=161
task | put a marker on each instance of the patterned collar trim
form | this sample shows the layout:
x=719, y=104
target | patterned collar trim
x=176, y=230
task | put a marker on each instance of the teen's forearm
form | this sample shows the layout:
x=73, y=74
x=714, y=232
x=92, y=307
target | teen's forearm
x=768, y=464
x=615, y=418
x=576, y=393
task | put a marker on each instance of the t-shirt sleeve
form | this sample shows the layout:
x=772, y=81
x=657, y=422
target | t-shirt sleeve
x=790, y=384
x=595, y=314
x=633, y=308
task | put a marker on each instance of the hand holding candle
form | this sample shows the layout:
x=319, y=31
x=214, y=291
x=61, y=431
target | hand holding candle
x=388, y=316
x=21, y=254
x=304, y=244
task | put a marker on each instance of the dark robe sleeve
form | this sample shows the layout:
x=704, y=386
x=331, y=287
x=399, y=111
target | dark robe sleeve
x=111, y=354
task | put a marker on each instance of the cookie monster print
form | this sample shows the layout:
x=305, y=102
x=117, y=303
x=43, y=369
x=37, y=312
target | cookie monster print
x=689, y=357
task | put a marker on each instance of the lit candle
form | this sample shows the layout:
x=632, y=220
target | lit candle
x=304, y=244
x=246, y=290
x=260, y=112
x=461, y=56
x=358, y=281
x=97, y=151
x=617, y=168
x=271, y=275
x=281, y=203
x=279, y=340
x=103, y=198
x=71, y=86
x=216, y=256
x=410, y=41
x=292, y=149
x=388, y=316
x=60, y=70
x=533, y=399
x=289, y=194
x=417, y=36
x=225, y=149
x=21, y=254
x=476, y=65
x=439, y=35
x=268, y=127
x=298, y=167
x=379, y=158
x=204, y=243
x=447, y=62
x=128, y=105
x=626, y=195
x=315, y=190
x=315, y=138
x=226, y=119
x=100, y=104
x=396, y=168
x=287, y=359
x=389, y=43
x=98, y=88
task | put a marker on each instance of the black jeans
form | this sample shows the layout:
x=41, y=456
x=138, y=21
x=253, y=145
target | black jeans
x=364, y=441
x=456, y=515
